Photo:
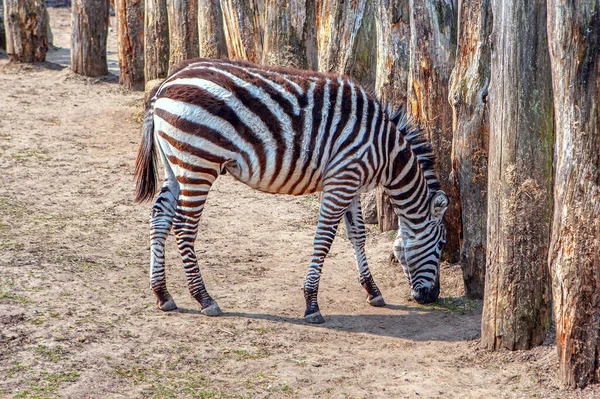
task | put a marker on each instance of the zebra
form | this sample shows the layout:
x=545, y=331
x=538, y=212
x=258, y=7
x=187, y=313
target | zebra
x=287, y=131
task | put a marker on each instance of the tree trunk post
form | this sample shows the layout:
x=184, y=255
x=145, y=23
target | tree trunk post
x=432, y=52
x=574, y=40
x=156, y=40
x=516, y=309
x=469, y=98
x=211, y=35
x=89, y=20
x=393, y=50
x=290, y=36
x=130, y=43
x=2, y=27
x=243, y=22
x=183, y=31
x=26, y=30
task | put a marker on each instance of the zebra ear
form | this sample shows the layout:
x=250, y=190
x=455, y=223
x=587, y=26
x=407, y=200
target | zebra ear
x=439, y=204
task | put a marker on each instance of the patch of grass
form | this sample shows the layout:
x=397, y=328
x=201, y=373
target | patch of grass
x=456, y=305
x=46, y=384
x=7, y=286
x=243, y=355
x=51, y=354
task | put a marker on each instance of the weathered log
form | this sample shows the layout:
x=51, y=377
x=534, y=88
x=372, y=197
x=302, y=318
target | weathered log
x=26, y=30
x=243, y=22
x=290, y=35
x=183, y=31
x=130, y=43
x=516, y=310
x=393, y=49
x=432, y=52
x=469, y=98
x=89, y=21
x=156, y=40
x=211, y=36
x=574, y=42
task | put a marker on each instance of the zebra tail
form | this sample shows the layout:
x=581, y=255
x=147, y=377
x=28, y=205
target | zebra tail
x=145, y=176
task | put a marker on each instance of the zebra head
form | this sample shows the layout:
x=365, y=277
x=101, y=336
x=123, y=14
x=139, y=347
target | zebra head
x=418, y=249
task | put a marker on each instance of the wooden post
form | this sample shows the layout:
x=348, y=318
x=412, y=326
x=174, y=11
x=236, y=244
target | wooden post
x=26, y=30
x=89, y=20
x=290, y=35
x=183, y=30
x=156, y=40
x=574, y=42
x=469, y=98
x=243, y=22
x=393, y=49
x=516, y=310
x=130, y=43
x=2, y=32
x=432, y=51
x=211, y=35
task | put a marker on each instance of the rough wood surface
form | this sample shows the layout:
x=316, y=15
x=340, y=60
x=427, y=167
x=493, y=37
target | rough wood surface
x=393, y=49
x=243, y=26
x=156, y=40
x=2, y=33
x=211, y=35
x=89, y=20
x=468, y=95
x=26, y=30
x=290, y=35
x=516, y=311
x=574, y=38
x=432, y=52
x=130, y=43
x=183, y=30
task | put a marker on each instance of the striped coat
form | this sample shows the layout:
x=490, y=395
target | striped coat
x=286, y=131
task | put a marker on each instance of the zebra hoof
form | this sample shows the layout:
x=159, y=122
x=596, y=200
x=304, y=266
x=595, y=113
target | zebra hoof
x=213, y=310
x=314, y=318
x=168, y=305
x=377, y=301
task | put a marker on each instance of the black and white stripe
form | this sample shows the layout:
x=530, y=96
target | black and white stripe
x=290, y=132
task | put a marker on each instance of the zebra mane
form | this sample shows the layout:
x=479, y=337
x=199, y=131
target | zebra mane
x=420, y=146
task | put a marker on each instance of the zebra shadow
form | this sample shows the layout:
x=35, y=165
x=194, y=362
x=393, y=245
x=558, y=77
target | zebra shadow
x=418, y=323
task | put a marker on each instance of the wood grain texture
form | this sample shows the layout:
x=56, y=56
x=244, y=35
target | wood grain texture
x=243, y=28
x=183, y=31
x=574, y=42
x=89, y=20
x=156, y=40
x=130, y=43
x=516, y=311
x=26, y=28
x=433, y=27
x=468, y=95
x=211, y=35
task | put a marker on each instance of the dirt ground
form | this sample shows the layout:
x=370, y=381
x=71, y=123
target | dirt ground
x=77, y=316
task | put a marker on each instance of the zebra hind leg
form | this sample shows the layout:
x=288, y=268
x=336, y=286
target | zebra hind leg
x=161, y=221
x=185, y=228
x=355, y=229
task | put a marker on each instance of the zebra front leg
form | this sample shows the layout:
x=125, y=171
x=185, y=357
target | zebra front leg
x=333, y=207
x=185, y=229
x=161, y=221
x=355, y=229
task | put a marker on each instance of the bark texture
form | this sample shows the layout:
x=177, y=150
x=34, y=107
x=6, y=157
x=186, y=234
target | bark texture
x=516, y=311
x=211, y=35
x=2, y=33
x=89, y=20
x=130, y=43
x=243, y=22
x=574, y=38
x=290, y=34
x=26, y=30
x=393, y=50
x=468, y=95
x=346, y=33
x=183, y=31
x=156, y=40
x=432, y=51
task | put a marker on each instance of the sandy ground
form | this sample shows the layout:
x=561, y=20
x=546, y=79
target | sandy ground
x=77, y=316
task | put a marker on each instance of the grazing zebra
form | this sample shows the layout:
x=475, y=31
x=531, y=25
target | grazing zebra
x=291, y=132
